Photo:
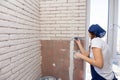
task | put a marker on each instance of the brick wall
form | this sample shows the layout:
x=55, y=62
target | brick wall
x=62, y=19
x=23, y=23
x=19, y=40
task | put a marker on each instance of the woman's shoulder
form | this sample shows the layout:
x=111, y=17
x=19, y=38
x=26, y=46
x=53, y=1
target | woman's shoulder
x=96, y=39
x=99, y=41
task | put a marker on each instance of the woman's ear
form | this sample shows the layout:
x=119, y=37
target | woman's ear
x=92, y=35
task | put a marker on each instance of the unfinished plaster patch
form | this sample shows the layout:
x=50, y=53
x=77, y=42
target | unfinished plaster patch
x=59, y=79
x=63, y=50
x=71, y=67
x=54, y=65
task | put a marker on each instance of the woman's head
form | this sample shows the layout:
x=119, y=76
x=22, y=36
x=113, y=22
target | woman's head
x=92, y=35
x=96, y=31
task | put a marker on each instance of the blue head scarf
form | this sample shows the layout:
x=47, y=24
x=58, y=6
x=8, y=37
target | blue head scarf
x=97, y=30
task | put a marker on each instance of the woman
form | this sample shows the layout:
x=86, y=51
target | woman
x=98, y=55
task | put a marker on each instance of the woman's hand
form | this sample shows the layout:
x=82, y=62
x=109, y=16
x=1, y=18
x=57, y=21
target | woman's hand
x=78, y=55
x=81, y=48
x=78, y=42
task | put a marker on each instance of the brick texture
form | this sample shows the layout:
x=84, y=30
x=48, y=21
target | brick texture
x=23, y=23
x=62, y=19
x=19, y=40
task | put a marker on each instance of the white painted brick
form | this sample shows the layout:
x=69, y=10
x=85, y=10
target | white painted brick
x=49, y=25
x=11, y=30
x=63, y=1
x=5, y=76
x=73, y=0
x=15, y=2
x=49, y=29
x=23, y=53
x=62, y=35
x=22, y=36
x=48, y=2
x=60, y=28
x=60, y=15
x=50, y=9
x=19, y=35
x=4, y=44
x=6, y=69
x=4, y=63
x=48, y=15
x=15, y=42
x=13, y=76
x=48, y=35
x=28, y=56
x=8, y=55
x=18, y=68
x=16, y=58
x=4, y=37
x=3, y=9
x=9, y=5
x=66, y=32
x=16, y=47
x=62, y=8
x=4, y=50
x=3, y=23
x=35, y=3
x=67, y=15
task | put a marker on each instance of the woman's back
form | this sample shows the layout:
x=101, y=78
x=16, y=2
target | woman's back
x=106, y=71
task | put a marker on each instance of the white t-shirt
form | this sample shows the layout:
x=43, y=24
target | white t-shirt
x=106, y=71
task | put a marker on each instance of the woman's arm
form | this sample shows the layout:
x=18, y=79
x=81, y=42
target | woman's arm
x=82, y=50
x=98, y=58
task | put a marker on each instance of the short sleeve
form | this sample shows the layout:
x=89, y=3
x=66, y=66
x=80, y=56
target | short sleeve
x=96, y=42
